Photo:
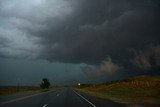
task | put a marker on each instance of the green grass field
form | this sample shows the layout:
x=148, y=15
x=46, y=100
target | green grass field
x=141, y=89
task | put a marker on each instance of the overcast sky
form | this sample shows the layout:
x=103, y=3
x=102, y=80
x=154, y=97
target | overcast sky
x=71, y=41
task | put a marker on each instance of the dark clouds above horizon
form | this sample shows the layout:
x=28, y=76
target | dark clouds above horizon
x=77, y=31
x=80, y=31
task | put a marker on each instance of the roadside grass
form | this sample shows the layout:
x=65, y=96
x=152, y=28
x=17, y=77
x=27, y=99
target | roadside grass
x=10, y=90
x=141, y=89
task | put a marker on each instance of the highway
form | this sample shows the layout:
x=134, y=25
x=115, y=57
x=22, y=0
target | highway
x=64, y=97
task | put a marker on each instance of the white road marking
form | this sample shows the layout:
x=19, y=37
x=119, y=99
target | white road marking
x=85, y=99
x=45, y=105
x=22, y=98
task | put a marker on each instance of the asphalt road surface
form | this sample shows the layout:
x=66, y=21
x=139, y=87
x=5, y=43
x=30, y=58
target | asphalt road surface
x=65, y=97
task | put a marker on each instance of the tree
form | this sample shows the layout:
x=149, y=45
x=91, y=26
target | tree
x=45, y=83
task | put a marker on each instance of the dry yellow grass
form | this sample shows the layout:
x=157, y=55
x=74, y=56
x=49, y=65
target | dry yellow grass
x=141, y=89
x=7, y=90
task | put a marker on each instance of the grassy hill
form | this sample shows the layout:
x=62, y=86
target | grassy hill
x=140, y=89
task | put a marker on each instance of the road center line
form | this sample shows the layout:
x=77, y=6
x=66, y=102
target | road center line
x=85, y=99
x=22, y=98
x=45, y=105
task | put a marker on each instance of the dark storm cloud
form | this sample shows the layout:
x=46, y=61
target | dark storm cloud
x=78, y=31
x=106, y=68
x=147, y=59
x=103, y=28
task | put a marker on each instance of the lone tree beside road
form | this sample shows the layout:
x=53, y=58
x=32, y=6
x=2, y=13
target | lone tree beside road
x=45, y=83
